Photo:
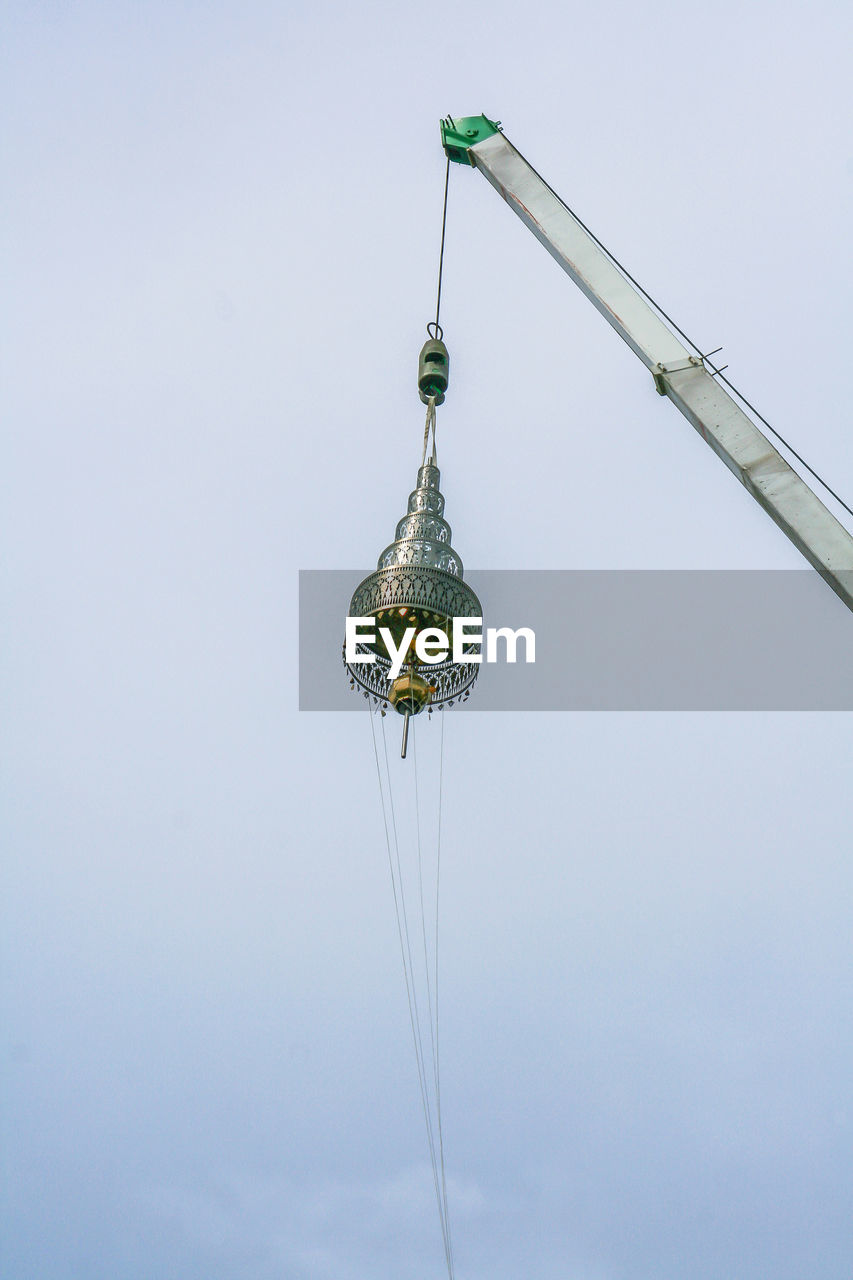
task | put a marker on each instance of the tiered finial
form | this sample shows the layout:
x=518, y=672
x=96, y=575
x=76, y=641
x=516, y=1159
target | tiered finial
x=417, y=585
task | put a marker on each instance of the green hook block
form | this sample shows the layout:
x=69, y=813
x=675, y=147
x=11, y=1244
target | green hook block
x=433, y=371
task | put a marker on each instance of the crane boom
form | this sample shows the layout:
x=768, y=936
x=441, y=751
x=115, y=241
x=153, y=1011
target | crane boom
x=678, y=373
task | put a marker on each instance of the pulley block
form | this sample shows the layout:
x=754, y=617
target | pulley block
x=433, y=370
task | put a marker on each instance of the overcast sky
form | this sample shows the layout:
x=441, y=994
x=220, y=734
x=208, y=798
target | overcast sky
x=221, y=228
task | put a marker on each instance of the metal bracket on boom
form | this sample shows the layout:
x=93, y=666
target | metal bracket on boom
x=458, y=136
x=674, y=366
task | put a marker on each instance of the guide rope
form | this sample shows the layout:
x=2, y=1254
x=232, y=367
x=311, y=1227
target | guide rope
x=430, y=1090
x=400, y=912
x=435, y=987
x=432, y=987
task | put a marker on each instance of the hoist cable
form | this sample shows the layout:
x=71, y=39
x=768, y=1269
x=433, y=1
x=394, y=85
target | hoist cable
x=717, y=372
x=438, y=330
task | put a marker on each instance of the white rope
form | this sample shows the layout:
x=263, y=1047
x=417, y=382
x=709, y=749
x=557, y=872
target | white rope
x=433, y=1009
x=428, y=1096
x=419, y=1047
x=401, y=929
x=435, y=989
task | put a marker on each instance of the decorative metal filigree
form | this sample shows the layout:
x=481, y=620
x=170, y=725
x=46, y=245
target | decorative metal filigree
x=414, y=587
x=450, y=681
x=423, y=536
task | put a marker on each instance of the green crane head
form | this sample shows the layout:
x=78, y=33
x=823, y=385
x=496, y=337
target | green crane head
x=457, y=136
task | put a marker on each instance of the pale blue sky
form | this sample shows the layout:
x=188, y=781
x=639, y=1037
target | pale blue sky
x=221, y=230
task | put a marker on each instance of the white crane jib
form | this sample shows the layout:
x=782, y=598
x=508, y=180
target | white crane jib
x=678, y=373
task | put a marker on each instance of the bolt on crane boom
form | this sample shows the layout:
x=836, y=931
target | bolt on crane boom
x=677, y=372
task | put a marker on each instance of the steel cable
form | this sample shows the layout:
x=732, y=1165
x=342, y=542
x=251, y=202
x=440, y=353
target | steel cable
x=438, y=330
